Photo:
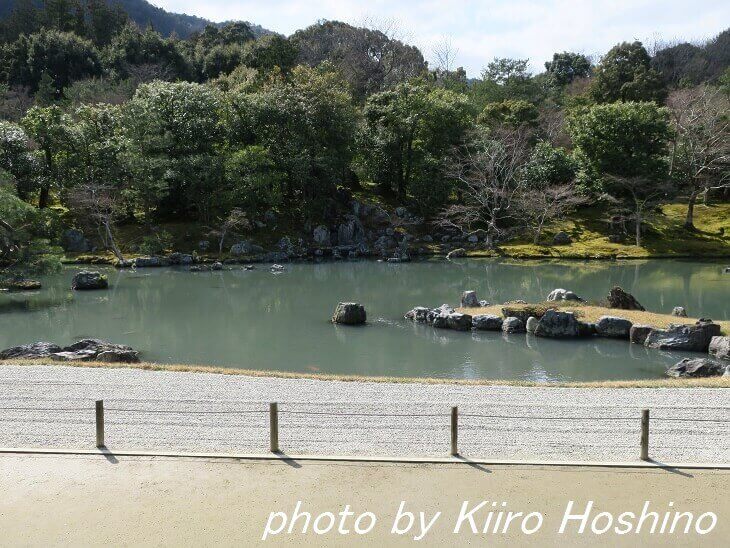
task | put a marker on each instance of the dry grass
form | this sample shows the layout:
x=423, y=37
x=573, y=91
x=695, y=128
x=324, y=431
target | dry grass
x=591, y=314
x=710, y=382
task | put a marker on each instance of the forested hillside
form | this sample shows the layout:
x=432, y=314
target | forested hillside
x=340, y=136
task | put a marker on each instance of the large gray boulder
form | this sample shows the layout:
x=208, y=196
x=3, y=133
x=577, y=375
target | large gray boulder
x=698, y=367
x=618, y=298
x=459, y=321
x=442, y=310
x=639, y=333
x=513, y=325
x=349, y=314
x=245, y=248
x=419, y=314
x=679, y=311
x=562, y=238
x=184, y=259
x=33, y=350
x=531, y=324
x=87, y=280
x=563, y=295
x=469, y=299
x=74, y=241
x=694, y=338
x=350, y=231
x=557, y=324
x=720, y=348
x=151, y=262
x=612, y=326
x=487, y=322
x=83, y=350
x=321, y=236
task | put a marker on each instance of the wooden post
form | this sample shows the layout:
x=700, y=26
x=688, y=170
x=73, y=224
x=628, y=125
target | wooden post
x=644, y=434
x=454, y=431
x=274, y=427
x=100, y=423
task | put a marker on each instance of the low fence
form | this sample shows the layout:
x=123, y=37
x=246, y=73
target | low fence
x=643, y=422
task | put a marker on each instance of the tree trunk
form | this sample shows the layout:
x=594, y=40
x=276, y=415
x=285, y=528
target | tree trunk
x=43, y=199
x=117, y=252
x=638, y=228
x=689, y=221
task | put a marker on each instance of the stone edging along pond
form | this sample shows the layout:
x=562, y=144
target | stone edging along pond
x=552, y=320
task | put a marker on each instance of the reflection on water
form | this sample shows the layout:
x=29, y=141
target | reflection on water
x=258, y=320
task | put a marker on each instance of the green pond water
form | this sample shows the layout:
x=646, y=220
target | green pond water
x=259, y=320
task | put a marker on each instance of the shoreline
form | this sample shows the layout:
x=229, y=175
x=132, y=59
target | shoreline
x=668, y=382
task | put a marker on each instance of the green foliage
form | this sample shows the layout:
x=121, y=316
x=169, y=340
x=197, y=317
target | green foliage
x=549, y=166
x=506, y=79
x=511, y=112
x=566, y=67
x=63, y=56
x=625, y=74
x=407, y=134
x=270, y=51
x=622, y=140
x=157, y=243
x=306, y=124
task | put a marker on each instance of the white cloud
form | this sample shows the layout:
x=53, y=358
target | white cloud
x=482, y=30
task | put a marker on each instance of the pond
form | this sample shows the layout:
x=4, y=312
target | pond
x=265, y=321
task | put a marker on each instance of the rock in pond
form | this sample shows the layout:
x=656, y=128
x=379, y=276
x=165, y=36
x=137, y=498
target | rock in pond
x=679, y=311
x=513, y=325
x=612, y=326
x=720, y=348
x=531, y=324
x=349, y=314
x=698, y=367
x=487, y=322
x=83, y=350
x=151, y=262
x=456, y=253
x=454, y=320
x=23, y=285
x=639, y=333
x=34, y=350
x=618, y=298
x=694, y=338
x=563, y=295
x=557, y=324
x=469, y=299
x=419, y=314
x=87, y=280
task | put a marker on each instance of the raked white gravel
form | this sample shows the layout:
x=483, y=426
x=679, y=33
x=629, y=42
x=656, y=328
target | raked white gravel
x=53, y=407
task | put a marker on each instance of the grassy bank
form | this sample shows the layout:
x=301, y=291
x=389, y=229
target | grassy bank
x=591, y=313
x=711, y=382
x=665, y=237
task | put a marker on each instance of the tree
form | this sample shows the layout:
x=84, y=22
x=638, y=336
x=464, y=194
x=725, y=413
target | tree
x=700, y=159
x=173, y=130
x=234, y=221
x=49, y=128
x=506, y=79
x=549, y=193
x=103, y=206
x=407, y=134
x=369, y=60
x=489, y=171
x=306, y=124
x=623, y=148
x=61, y=55
x=270, y=51
x=566, y=67
x=16, y=158
x=625, y=74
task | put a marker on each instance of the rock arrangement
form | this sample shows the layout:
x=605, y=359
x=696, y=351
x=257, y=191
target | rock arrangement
x=541, y=321
x=618, y=298
x=349, y=314
x=87, y=280
x=83, y=350
x=22, y=285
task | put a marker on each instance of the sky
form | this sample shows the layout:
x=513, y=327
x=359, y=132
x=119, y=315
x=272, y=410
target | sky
x=478, y=31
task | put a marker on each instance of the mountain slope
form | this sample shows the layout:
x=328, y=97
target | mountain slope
x=143, y=13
